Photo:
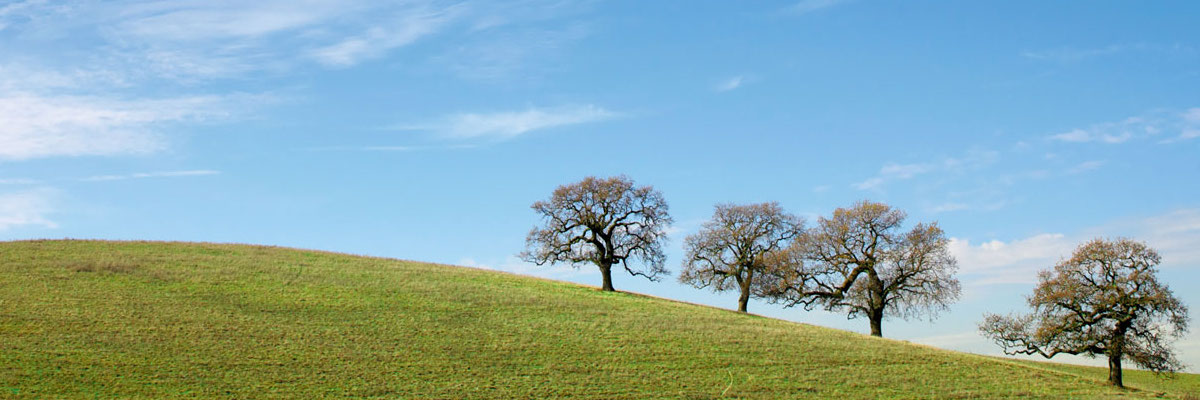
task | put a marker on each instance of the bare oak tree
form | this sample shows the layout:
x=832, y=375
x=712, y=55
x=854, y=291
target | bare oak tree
x=1104, y=300
x=859, y=261
x=735, y=245
x=604, y=222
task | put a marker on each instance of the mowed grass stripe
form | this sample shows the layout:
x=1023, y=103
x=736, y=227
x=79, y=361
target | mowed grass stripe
x=154, y=320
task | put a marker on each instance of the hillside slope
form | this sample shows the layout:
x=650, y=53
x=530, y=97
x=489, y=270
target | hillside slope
x=154, y=320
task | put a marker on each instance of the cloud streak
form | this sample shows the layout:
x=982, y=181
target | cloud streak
x=894, y=172
x=510, y=124
x=1067, y=54
x=730, y=84
x=144, y=175
x=27, y=208
x=379, y=39
x=808, y=6
x=1085, y=167
x=1175, y=125
x=49, y=126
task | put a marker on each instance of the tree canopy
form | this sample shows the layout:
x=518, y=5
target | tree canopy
x=604, y=222
x=1104, y=300
x=735, y=246
x=861, y=262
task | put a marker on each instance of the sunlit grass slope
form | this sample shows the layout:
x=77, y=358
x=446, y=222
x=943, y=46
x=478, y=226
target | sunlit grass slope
x=153, y=320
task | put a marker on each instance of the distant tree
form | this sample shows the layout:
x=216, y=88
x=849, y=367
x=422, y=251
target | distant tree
x=859, y=261
x=1104, y=300
x=735, y=245
x=604, y=222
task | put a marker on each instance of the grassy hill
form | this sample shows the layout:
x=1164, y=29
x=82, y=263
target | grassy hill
x=154, y=320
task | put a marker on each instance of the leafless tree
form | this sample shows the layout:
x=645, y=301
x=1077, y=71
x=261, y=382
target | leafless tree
x=859, y=261
x=735, y=245
x=1104, y=300
x=604, y=222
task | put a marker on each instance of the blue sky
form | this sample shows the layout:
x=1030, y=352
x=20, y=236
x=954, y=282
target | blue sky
x=424, y=129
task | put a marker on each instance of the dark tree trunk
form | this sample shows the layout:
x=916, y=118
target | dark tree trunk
x=876, y=317
x=1114, y=371
x=744, y=298
x=744, y=285
x=1116, y=348
x=606, y=272
x=876, y=303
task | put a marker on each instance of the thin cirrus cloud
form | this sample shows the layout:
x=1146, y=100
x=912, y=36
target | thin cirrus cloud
x=507, y=125
x=205, y=40
x=1085, y=167
x=233, y=37
x=730, y=84
x=27, y=208
x=1169, y=126
x=808, y=6
x=144, y=175
x=380, y=39
x=894, y=172
x=49, y=126
x=1070, y=54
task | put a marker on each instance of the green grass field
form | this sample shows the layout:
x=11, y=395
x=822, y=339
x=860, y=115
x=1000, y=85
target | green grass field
x=91, y=319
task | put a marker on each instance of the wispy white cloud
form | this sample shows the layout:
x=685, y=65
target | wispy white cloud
x=730, y=84
x=1085, y=166
x=1190, y=128
x=510, y=124
x=18, y=181
x=1175, y=125
x=1083, y=136
x=192, y=40
x=1176, y=235
x=27, y=208
x=948, y=207
x=206, y=20
x=16, y=8
x=231, y=37
x=893, y=171
x=46, y=126
x=1070, y=54
x=143, y=175
x=808, y=6
x=1073, y=54
x=512, y=55
x=392, y=148
x=379, y=39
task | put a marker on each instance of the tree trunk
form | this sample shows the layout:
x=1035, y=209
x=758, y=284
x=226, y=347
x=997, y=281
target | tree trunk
x=1114, y=371
x=876, y=317
x=744, y=298
x=876, y=303
x=744, y=285
x=1116, y=348
x=606, y=272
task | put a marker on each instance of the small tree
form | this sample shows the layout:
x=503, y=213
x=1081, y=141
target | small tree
x=1104, y=300
x=604, y=222
x=734, y=246
x=860, y=262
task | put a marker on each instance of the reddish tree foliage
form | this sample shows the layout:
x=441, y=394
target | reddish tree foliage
x=1104, y=300
x=604, y=222
x=735, y=246
x=859, y=261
